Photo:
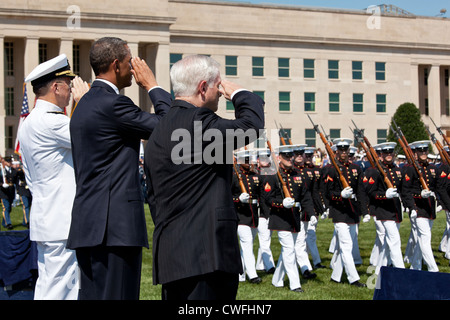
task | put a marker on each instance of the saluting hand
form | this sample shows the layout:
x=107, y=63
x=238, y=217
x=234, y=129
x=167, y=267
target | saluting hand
x=143, y=74
x=79, y=88
x=227, y=88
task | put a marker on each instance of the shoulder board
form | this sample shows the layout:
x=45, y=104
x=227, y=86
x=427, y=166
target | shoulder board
x=55, y=112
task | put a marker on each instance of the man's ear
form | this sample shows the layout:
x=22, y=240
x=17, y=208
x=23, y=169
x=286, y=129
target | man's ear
x=203, y=87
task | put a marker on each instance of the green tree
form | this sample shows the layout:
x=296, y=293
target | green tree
x=407, y=117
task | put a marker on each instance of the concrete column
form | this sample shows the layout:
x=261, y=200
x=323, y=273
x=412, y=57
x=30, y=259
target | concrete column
x=434, y=94
x=162, y=64
x=31, y=61
x=415, y=84
x=66, y=47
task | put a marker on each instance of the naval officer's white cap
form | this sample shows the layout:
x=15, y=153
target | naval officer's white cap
x=49, y=70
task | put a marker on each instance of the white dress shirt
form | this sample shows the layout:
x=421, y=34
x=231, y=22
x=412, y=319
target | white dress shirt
x=46, y=153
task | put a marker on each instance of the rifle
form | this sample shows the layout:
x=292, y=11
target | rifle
x=408, y=153
x=441, y=133
x=284, y=187
x=331, y=154
x=358, y=138
x=241, y=183
x=373, y=154
x=444, y=155
x=327, y=136
x=283, y=142
x=286, y=135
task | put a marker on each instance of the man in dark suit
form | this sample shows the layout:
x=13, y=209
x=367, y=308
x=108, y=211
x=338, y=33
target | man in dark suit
x=7, y=190
x=108, y=227
x=195, y=244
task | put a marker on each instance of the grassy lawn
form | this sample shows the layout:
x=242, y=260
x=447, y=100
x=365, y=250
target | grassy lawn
x=320, y=288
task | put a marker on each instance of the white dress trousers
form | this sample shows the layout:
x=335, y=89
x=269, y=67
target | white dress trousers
x=58, y=272
x=287, y=261
x=246, y=237
x=379, y=242
x=264, y=260
x=444, y=245
x=391, y=251
x=311, y=244
x=343, y=256
x=423, y=250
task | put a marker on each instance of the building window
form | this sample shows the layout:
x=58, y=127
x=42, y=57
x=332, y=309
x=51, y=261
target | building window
x=425, y=76
x=9, y=137
x=357, y=70
x=380, y=71
x=333, y=102
x=426, y=106
x=446, y=71
x=335, y=133
x=381, y=103
x=76, y=58
x=333, y=69
x=308, y=68
x=310, y=101
x=174, y=57
x=231, y=65
x=310, y=137
x=43, y=52
x=284, y=99
x=358, y=102
x=258, y=66
x=283, y=67
x=229, y=106
x=9, y=101
x=381, y=135
x=9, y=58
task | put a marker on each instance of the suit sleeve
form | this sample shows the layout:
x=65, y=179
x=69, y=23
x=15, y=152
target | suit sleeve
x=133, y=121
x=249, y=114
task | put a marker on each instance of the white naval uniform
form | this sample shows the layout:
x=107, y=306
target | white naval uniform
x=45, y=147
x=264, y=260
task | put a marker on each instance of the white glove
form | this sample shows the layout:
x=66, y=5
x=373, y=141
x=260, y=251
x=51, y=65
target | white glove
x=391, y=193
x=244, y=197
x=313, y=221
x=425, y=193
x=288, y=203
x=5, y=185
x=413, y=214
x=325, y=214
x=347, y=192
x=366, y=218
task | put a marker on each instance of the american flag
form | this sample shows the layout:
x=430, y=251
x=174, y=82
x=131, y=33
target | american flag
x=23, y=114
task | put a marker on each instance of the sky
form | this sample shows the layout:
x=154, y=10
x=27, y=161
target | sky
x=418, y=7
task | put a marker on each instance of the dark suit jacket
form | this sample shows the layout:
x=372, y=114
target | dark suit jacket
x=195, y=219
x=106, y=129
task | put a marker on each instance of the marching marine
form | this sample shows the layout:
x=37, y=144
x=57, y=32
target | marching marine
x=245, y=191
x=347, y=204
x=386, y=205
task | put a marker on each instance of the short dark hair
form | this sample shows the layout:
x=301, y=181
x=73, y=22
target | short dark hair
x=104, y=51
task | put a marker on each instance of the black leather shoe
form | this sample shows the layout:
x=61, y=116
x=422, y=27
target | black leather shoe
x=298, y=290
x=255, y=280
x=358, y=284
x=319, y=266
x=9, y=227
x=271, y=270
x=308, y=275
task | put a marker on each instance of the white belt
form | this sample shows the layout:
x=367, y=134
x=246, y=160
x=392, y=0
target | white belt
x=297, y=204
x=254, y=201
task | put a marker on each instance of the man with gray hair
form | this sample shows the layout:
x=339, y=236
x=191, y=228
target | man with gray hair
x=195, y=245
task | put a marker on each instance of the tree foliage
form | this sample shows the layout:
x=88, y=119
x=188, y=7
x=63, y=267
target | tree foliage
x=407, y=117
